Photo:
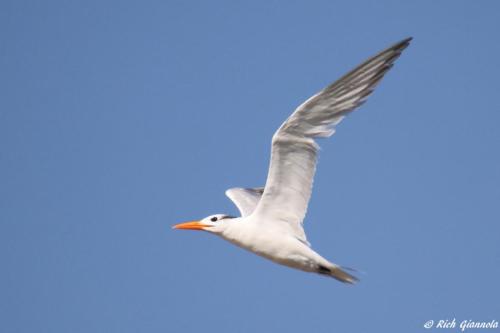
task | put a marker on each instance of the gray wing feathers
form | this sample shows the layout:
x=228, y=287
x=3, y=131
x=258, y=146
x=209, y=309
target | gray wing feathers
x=293, y=153
x=318, y=116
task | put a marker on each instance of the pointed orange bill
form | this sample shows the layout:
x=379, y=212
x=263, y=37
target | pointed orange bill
x=193, y=225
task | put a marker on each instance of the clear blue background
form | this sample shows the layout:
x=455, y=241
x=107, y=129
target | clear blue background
x=120, y=119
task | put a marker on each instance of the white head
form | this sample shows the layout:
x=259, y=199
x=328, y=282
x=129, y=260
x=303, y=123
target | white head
x=214, y=223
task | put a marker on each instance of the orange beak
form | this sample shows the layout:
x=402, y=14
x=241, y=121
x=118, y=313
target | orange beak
x=193, y=225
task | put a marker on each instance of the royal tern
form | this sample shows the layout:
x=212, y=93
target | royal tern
x=271, y=222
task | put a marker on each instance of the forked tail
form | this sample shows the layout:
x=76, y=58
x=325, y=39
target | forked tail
x=338, y=273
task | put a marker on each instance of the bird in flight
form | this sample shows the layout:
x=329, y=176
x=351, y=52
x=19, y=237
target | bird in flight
x=271, y=222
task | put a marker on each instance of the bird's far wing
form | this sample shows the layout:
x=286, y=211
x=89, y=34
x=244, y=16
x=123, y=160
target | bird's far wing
x=246, y=199
x=293, y=152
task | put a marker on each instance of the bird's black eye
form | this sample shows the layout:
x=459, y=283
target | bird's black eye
x=214, y=219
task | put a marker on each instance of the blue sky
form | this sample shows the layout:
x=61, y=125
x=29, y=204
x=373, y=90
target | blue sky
x=120, y=119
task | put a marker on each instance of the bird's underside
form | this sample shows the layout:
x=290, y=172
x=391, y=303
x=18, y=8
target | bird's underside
x=279, y=246
x=271, y=222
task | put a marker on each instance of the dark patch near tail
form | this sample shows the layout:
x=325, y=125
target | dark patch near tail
x=338, y=274
x=324, y=270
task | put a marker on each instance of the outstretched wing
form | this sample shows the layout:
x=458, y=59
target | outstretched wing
x=293, y=154
x=246, y=199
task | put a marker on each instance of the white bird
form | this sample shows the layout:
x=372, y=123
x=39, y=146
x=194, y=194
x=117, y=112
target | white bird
x=271, y=222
